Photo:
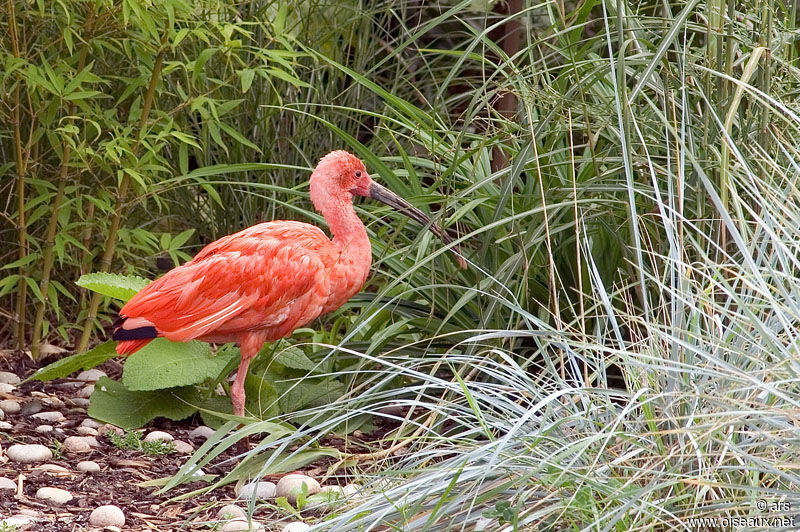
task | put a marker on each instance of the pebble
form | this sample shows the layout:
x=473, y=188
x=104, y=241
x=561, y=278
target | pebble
x=229, y=511
x=2, y=415
x=15, y=521
x=7, y=484
x=238, y=525
x=31, y=407
x=79, y=402
x=86, y=391
x=108, y=427
x=54, y=495
x=107, y=515
x=158, y=435
x=53, y=469
x=52, y=416
x=262, y=490
x=7, y=377
x=77, y=444
x=5, y=425
x=91, y=423
x=9, y=406
x=291, y=485
x=53, y=402
x=6, y=388
x=182, y=447
x=88, y=466
x=201, y=433
x=28, y=453
x=44, y=428
x=351, y=489
x=296, y=526
x=91, y=375
x=87, y=431
x=335, y=491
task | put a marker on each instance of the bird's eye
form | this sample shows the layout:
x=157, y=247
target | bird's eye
x=358, y=173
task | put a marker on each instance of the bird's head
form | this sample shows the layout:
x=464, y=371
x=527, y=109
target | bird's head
x=340, y=176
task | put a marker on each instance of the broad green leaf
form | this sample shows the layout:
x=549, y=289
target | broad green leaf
x=164, y=364
x=113, y=285
x=113, y=403
x=293, y=357
x=81, y=361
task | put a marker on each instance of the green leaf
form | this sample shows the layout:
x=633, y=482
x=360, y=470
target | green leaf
x=81, y=361
x=247, y=75
x=164, y=364
x=113, y=403
x=293, y=357
x=113, y=285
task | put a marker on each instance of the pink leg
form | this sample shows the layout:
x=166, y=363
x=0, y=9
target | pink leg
x=237, y=390
x=248, y=345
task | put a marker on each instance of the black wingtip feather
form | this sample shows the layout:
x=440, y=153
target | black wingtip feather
x=140, y=333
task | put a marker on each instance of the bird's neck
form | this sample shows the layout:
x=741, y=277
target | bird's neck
x=349, y=233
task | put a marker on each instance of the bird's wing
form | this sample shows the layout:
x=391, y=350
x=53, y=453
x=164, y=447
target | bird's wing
x=249, y=278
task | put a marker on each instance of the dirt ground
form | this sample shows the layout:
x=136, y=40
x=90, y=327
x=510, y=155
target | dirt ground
x=121, y=474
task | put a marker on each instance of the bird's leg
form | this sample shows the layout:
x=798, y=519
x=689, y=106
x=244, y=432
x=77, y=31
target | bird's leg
x=237, y=390
x=248, y=350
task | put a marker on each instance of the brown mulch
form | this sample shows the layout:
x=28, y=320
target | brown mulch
x=122, y=472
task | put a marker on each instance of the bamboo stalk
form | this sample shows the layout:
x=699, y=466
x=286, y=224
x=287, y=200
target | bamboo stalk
x=22, y=237
x=122, y=193
x=52, y=225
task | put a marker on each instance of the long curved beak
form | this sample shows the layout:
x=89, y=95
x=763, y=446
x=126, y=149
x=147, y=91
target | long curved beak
x=384, y=195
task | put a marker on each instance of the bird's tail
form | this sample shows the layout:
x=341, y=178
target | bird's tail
x=132, y=334
x=128, y=347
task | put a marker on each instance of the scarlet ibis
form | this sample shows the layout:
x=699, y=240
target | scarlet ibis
x=260, y=284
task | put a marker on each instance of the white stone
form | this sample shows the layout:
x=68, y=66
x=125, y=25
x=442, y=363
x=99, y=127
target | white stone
x=158, y=435
x=229, y=511
x=87, y=391
x=260, y=490
x=6, y=377
x=290, y=486
x=91, y=423
x=43, y=429
x=351, y=489
x=54, y=495
x=295, y=526
x=28, y=453
x=88, y=466
x=108, y=427
x=238, y=525
x=31, y=407
x=54, y=402
x=182, y=447
x=2, y=414
x=79, y=402
x=202, y=432
x=87, y=431
x=6, y=388
x=7, y=484
x=335, y=491
x=53, y=416
x=91, y=375
x=107, y=515
x=77, y=444
x=17, y=520
x=5, y=425
x=9, y=406
x=91, y=440
x=53, y=469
